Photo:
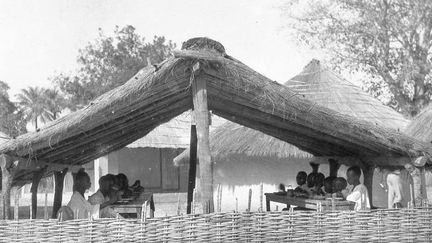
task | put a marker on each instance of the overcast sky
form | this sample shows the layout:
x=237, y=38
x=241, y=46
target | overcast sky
x=41, y=38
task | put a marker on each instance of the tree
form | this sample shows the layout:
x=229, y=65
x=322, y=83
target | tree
x=108, y=62
x=54, y=103
x=12, y=121
x=389, y=40
x=32, y=103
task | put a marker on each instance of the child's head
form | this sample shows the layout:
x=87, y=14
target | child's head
x=104, y=184
x=353, y=175
x=339, y=184
x=311, y=179
x=301, y=178
x=319, y=180
x=123, y=181
x=328, y=184
x=111, y=180
x=82, y=181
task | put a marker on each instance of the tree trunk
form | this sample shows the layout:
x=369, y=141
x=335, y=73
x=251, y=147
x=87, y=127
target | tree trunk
x=58, y=193
x=192, y=167
x=37, y=176
x=201, y=112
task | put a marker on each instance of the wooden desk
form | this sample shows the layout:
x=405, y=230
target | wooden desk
x=136, y=204
x=308, y=203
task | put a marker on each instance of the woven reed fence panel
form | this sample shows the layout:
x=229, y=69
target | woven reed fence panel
x=403, y=225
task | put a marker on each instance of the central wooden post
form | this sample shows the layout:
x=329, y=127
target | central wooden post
x=199, y=93
x=58, y=193
x=201, y=112
x=192, y=167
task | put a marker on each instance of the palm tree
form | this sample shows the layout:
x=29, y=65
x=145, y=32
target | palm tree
x=54, y=103
x=31, y=101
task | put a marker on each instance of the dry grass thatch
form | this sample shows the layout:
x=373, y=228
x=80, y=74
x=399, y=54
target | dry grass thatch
x=233, y=139
x=3, y=137
x=421, y=126
x=322, y=86
x=235, y=92
x=172, y=134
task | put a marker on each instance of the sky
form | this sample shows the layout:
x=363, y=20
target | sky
x=42, y=38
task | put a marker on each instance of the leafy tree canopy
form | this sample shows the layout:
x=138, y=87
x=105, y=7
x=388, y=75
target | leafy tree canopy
x=389, y=40
x=12, y=121
x=108, y=62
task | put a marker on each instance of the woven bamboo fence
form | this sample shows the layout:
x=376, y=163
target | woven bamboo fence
x=399, y=225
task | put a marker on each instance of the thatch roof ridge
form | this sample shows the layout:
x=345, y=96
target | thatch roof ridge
x=421, y=126
x=235, y=92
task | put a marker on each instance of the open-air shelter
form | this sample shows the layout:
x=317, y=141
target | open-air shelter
x=203, y=77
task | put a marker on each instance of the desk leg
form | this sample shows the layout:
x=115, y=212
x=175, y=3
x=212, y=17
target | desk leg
x=267, y=204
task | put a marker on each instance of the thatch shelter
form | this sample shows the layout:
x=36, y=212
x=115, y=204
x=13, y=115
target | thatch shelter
x=217, y=82
x=322, y=86
x=318, y=83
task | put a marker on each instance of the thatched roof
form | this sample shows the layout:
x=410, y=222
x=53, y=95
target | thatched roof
x=324, y=87
x=172, y=134
x=421, y=126
x=233, y=139
x=235, y=92
x=4, y=137
x=320, y=84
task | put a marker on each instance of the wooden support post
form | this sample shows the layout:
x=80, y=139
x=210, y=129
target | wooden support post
x=423, y=184
x=333, y=167
x=58, y=191
x=315, y=167
x=8, y=169
x=201, y=112
x=37, y=176
x=192, y=168
x=16, y=203
x=368, y=172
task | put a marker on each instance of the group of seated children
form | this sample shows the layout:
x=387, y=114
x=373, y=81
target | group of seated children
x=315, y=184
x=111, y=189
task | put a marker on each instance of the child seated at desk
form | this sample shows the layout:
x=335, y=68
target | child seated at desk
x=328, y=185
x=301, y=189
x=339, y=186
x=318, y=184
x=105, y=196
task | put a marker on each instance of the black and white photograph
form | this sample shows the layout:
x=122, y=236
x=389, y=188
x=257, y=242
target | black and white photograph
x=215, y=121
